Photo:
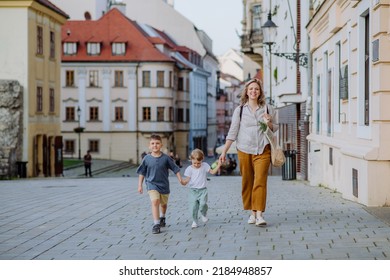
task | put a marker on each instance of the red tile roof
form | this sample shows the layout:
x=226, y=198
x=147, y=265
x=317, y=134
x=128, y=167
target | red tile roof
x=112, y=27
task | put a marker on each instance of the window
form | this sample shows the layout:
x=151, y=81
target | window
x=69, y=146
x=118, y=48
x=146, y=78
x=367, y=38
x=39, y=40
x=69, y=78
x=180, y=115
x=329, y=104
x=318, y=105
x=170, y=79
x=171, y=114
x=70, y=114
x=93, y=78
x=52, y=45
x=256, y=12
x=39, y=99
x=160, y=114
x=93, y=113
x=93, y=48
x=93, y=146
x=160, y=78
x=180, y=84
x=51, y=101
x=187, y=115
x=70, y=48
x=146, y=113
x=119, y=78
x=118, y=113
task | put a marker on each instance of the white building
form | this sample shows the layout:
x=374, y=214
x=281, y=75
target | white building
x=349, y=139
x=162, y=16
x=128, y=83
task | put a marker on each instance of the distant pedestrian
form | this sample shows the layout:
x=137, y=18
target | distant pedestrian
x=154, y=169
x=196, y=178
x=178, y=161
x=88, y=164
x=254, y=152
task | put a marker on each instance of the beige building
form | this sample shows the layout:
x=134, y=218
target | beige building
x=30, y=53
x=349, y=139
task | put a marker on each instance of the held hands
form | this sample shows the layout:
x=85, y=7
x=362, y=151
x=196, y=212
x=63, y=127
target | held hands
x=185, y=181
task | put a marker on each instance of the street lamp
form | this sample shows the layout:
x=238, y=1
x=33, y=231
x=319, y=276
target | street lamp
x=269, y=32
x=79, y=129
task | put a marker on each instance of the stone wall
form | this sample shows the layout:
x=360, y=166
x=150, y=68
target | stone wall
x=11, y=127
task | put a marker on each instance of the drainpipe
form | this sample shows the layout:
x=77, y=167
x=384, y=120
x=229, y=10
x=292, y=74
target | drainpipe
x=136, y=114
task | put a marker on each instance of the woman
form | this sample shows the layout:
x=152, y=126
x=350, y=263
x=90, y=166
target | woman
x=254, y=151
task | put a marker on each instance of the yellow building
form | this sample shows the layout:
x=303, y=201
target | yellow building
x=30, y=53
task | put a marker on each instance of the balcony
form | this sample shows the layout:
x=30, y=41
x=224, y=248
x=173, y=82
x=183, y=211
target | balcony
x=252, y=45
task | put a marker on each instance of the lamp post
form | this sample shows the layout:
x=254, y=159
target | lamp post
x=79, y=129
x=269, y=31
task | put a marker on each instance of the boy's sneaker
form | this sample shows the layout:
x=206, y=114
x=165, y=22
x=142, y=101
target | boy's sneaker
x=204, y=218
x=252, y=219
x=260, y=222
x=162, y=222
x=194, y=224
x=156, y=229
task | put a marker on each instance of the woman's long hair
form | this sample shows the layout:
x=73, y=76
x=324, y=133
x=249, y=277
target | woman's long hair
x=244, y=97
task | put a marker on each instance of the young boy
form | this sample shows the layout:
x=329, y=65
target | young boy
x=154, y=169
x=196, y=176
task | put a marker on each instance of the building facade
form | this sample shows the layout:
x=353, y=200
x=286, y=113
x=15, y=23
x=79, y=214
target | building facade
x=161, y=15
x=32, y=58
x=120, y=85
x=349, y=139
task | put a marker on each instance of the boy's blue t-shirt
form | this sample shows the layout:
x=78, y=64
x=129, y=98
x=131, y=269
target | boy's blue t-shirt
x=156, y=172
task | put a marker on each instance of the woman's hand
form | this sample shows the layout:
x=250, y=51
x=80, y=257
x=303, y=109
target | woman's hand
x=222, y=158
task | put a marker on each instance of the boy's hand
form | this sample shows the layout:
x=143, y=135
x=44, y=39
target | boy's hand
x=140, y=189
x=185, y=181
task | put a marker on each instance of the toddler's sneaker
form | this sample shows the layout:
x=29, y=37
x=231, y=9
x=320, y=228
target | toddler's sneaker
x=252, y=219
x=260, y=222
x=162, y=222
x=156, y=229
x=204, y=218
x=194, y=224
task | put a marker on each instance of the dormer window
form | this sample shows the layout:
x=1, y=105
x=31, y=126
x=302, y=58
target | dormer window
x=118, y=48
x=70, y=48
x=93, y=48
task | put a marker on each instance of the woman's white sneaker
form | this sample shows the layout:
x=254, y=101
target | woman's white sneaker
x=252, y=219
x=260, y=222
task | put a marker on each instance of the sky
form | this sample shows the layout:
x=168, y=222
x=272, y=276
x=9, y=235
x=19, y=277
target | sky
x=220, y=19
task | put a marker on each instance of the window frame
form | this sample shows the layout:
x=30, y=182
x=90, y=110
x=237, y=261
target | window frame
x=93, y=113
x=39, y=40
x=93, y=78
x=39, y=101
x=118, y=78
x=93, y=48
x=118, y=48
x=146, y=113
x=146, y=81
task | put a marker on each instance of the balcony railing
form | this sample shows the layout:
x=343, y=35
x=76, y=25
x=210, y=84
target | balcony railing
x=252, y=38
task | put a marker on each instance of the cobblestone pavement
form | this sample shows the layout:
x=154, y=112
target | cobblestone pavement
x=103, y=218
